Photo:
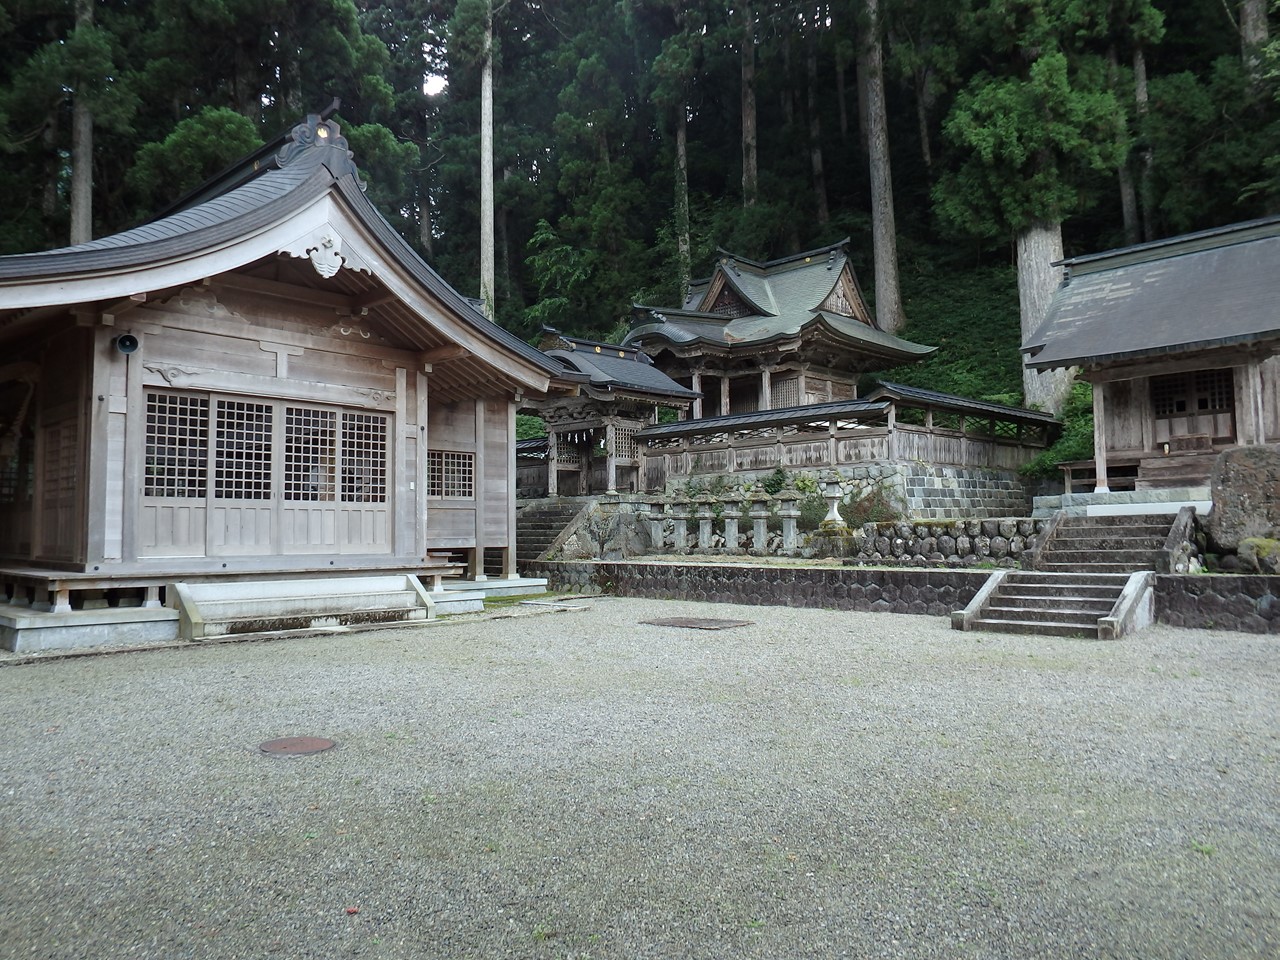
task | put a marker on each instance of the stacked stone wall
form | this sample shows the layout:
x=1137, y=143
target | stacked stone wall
x=931, y=592
x=1249, y=604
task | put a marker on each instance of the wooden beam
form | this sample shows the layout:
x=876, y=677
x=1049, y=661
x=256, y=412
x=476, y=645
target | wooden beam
x=443, y=354
x=1100, y=439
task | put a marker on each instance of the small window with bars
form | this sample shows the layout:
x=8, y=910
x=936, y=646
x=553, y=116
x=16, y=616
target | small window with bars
x=364, y=458
x=242, y=451
x=1204, y=391
x=177, y=446
x=451, y=475
x=310, y=454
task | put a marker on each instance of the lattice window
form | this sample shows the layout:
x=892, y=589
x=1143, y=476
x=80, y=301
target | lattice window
x=364, y=458
x=177, y=446
x=242, y=451
x=624, y=442
x=310, y=453
x=451, y=475
x=1204, y=391
x=729, y=304
x=60, y=474
x=784, y=393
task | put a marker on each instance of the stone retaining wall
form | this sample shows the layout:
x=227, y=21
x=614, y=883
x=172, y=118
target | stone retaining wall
x=934, y=592
x=1250, y=604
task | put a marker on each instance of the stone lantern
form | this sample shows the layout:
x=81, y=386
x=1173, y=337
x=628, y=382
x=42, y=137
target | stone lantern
x=731, y=511
x=678, y=508
x=706, y=517
x=787, y=499
x=833, y=524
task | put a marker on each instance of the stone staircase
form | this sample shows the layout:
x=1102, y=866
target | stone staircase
x=539, y=523
x=1116, y=544
x=1090, y=580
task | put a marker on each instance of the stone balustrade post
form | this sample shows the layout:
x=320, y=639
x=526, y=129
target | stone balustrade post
x=655, y=516
x=787, y=499
x=705, y=519
x=731, y=511
x=678, y=509
x=760, y=501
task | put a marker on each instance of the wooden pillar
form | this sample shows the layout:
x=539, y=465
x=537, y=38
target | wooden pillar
x=724, y=393
x=801, y=389
x=1100, y=439
x=610, y=456
x=766, y=390
x=476, y=566
x=509, y=555
x=695, y=384
x=422, y=471
x=553, y=462
x=1251, y=427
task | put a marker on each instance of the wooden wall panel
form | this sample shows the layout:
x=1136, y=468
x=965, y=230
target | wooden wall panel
x=498, y=486
x=172, y=528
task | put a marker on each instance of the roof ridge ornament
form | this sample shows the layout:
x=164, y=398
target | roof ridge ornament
x=317, y=133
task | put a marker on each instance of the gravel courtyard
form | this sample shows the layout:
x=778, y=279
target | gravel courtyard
x=582, y=785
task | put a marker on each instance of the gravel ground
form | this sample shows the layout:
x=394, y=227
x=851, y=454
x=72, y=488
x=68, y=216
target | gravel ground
x=578, y=784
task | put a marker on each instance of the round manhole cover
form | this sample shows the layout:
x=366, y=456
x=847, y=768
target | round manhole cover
x=295, y=746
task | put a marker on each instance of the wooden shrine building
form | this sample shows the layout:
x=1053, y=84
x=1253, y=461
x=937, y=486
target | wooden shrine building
x=763, y=336
x=1179, y=339
x=590, y=445
x=266, y=381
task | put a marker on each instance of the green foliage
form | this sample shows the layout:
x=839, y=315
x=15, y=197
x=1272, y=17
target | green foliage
x=1076, y=440
x=197, y=148
x=971, y=316
x=529, y=427
x=775, y=481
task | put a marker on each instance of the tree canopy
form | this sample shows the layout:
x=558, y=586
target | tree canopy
x=619, y=128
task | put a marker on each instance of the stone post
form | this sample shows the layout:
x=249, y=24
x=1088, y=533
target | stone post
x=705, y=519
x=787, y=498
x=833, y=523
x=731, y=511
x=655, y=516
x=760, y=500
x=678, y=508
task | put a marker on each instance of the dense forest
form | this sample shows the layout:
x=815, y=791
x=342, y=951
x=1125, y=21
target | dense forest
x=958, y=143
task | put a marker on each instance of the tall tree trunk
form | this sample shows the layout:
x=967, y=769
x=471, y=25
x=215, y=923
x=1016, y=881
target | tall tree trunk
x=841, y=100
x=883, y=230
x=1146, y=156
x=1124, y=174
x=924, y=107
x=425, y=237
x=750, y=174
x=49, y=194
x=1039, y=246
x=684, y=260
x=82, y=146
x=823, y=214
x=1253, y=38
x=486, y=167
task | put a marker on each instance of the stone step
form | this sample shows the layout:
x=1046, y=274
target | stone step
x=997, y=611
x=1067, y=577
x=1108, y=541
x=315, y=606
x=1086, y=559
x=1100, y=601
x=1036, y=627
x=1118, y=568
x=1121, y=520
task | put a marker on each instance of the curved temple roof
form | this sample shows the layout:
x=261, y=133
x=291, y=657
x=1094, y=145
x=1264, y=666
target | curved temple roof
x=305, y=200
x=749, y=304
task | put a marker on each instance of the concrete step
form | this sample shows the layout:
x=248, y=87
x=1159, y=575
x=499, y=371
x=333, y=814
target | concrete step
x=999, y=611
x=315, y=606
x=1066, y=578
x=1036, y=627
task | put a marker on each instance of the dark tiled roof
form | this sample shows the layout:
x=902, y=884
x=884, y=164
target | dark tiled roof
x=614, y=367
x=1202, y=290
x=851, y=409
x=950, y=401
